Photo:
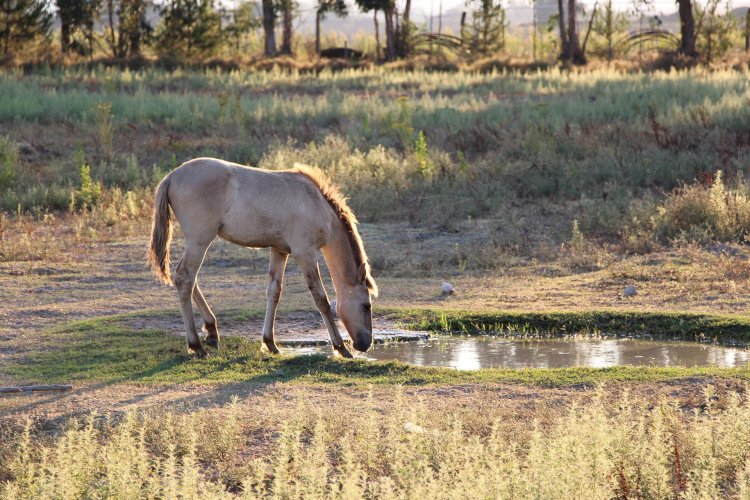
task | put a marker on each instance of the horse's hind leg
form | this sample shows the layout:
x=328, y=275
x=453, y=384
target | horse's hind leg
x=276, y=268
x=209, y=320
x=184, y=280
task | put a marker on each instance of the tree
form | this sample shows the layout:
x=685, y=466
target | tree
x=404, y=38
x=609, y=23
x=571, y=50
x=337, y=7
x=77, y=19
x=486, y=33
x=269, y=28
x=126, y=36
x=241, y=20
x=388, y=7
x=687, y=28
x=188, y=28
x=287, y=15
x=22, y=22
x=714, y=30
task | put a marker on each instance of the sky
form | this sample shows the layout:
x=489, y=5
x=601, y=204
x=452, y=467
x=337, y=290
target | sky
x=519, y=11
x=423, y=8
x=659, y=6
x=667, y=6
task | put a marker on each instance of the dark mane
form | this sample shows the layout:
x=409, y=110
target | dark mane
x=337, y=201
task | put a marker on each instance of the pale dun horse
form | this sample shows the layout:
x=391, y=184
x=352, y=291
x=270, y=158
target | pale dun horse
x=295, y=212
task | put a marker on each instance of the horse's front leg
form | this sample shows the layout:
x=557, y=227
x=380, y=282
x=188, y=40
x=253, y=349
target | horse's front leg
x=309, y=267
x=277, y=264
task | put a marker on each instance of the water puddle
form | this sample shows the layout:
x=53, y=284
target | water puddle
x=474, y=353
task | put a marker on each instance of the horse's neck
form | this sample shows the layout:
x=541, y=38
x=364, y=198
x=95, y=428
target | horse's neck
x=339, y=256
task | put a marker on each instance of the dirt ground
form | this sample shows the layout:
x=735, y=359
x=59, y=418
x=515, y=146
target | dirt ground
x=511, y=402
x=99, y=279
x=105, y=278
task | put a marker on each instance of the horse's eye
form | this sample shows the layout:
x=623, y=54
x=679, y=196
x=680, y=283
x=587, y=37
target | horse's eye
x=367, y=307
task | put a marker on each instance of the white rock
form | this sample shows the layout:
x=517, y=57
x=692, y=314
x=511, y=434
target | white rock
x=629, y=291
x=447, y=288
x=413, y=428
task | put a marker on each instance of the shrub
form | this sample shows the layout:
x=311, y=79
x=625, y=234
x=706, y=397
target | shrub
x=8, y=161
x=89, y=192
x=697, y=213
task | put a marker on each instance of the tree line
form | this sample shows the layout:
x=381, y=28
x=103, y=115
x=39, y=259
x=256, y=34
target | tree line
x=197, y=28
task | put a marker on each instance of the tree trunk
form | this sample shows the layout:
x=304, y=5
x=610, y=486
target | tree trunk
x=90, y=38
x=134, y=41
x=64, y=36
x=318, y=15
x=377, y=34
x=564, y=46
x=588, y=33
x=269, y=27
x=6, y=28
x=396, y=33
x=747, y=30
x=390, y=46
x=286, y=34
x=574, y=47
x=687, y=28
x=111, y=20
x=404, y=48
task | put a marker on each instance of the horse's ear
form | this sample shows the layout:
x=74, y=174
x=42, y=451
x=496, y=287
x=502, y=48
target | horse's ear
x=362, y=274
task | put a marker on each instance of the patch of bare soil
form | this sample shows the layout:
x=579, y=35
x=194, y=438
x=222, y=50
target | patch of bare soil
x=98, y=279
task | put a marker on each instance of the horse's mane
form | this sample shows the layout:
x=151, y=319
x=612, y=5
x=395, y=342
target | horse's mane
x=337, y=201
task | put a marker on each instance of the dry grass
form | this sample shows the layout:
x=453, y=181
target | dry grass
x=602, y=446
x=705, y=211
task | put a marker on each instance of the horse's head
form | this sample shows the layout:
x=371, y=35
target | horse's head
x=355, y=309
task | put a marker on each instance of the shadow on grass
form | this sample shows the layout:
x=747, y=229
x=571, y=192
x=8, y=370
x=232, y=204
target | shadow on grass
x=106, y=350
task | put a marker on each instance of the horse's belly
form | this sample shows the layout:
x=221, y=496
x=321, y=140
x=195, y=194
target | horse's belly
x=254, y=237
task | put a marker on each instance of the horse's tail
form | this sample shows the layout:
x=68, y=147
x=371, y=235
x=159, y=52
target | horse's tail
x=161, y=233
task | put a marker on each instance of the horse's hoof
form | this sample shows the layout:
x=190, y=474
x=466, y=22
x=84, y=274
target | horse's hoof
x=212, y=337
x=343, y=352
x=271, y=348
x=198, y=352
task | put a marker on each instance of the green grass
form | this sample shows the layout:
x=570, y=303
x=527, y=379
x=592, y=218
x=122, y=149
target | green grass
x=105, y=350
x=725, y=329
x=423, y=146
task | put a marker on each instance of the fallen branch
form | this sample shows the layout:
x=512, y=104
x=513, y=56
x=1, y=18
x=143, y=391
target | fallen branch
x=35, y=388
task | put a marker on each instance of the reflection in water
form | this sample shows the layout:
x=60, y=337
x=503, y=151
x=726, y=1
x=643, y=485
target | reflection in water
x=473, y=353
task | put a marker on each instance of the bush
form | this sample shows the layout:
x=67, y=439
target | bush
x=8, y=161
x=696, y=213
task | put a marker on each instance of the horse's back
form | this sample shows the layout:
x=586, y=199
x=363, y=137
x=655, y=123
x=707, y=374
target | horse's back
x=200, y=191
x=248, y=206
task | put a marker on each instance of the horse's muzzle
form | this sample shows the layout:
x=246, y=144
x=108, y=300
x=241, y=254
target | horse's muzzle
x=363, y=343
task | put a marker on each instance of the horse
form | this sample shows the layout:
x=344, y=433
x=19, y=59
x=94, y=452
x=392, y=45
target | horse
x=296, y=212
